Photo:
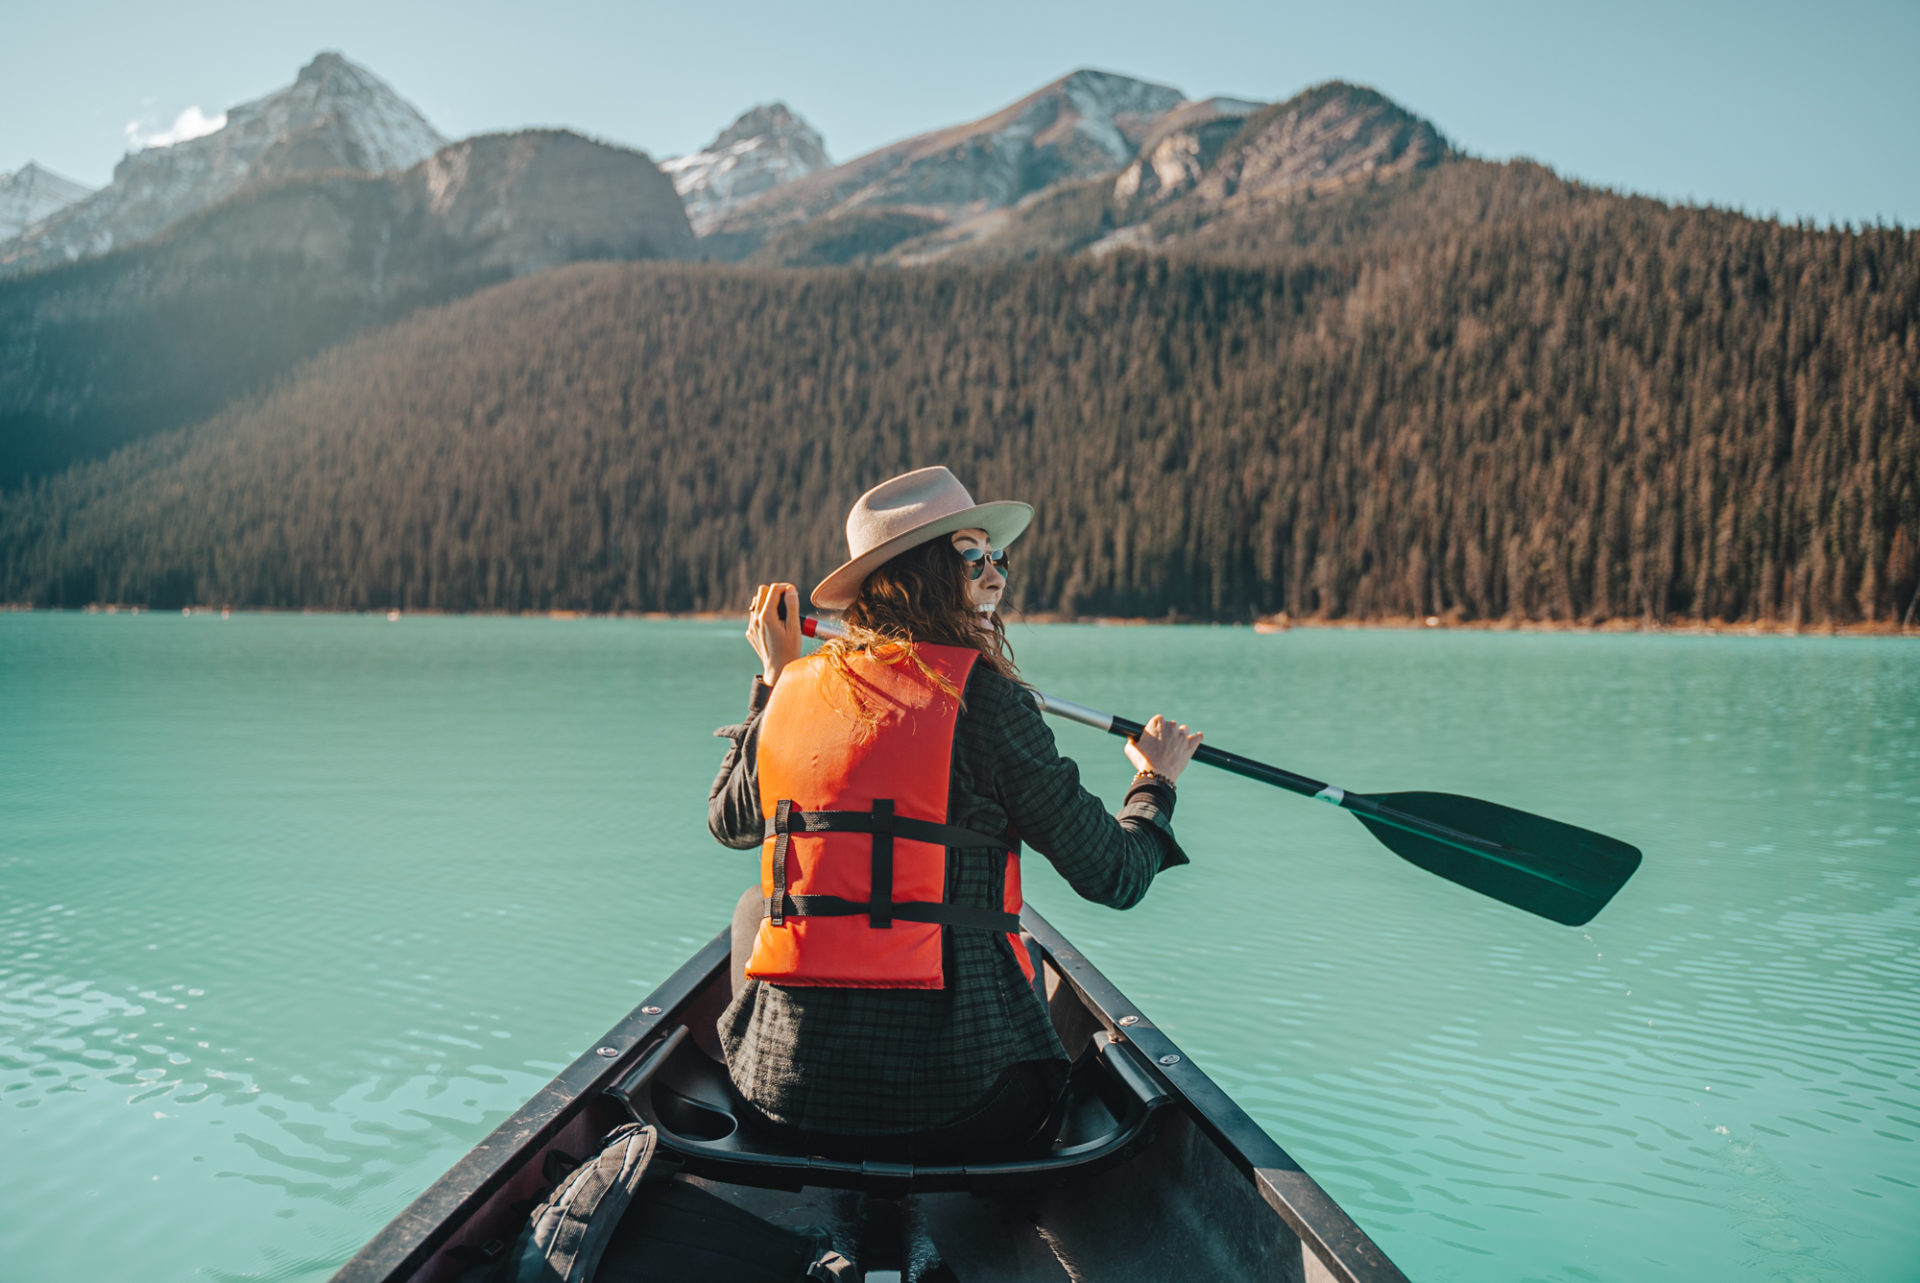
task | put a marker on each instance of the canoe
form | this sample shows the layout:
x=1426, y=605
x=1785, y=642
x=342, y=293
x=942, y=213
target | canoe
x=1157, y=1173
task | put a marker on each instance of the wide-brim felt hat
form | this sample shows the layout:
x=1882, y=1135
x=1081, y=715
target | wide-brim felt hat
x=904, y=513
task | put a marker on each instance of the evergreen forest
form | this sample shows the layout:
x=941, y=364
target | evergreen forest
x=1567, y=406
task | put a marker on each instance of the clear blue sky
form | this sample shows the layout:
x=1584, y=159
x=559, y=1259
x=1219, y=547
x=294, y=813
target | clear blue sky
x=1801, y=109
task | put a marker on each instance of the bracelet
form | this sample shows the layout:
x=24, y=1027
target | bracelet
x=1149, y=776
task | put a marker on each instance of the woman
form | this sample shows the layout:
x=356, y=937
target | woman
x=885, y=1008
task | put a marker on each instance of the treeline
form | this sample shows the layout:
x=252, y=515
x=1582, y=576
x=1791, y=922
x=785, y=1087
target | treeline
x=1601, y=409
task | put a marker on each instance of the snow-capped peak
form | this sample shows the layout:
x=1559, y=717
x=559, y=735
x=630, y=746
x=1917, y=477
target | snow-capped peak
x=1100, y=102
x=335, y=115
x=764, y=148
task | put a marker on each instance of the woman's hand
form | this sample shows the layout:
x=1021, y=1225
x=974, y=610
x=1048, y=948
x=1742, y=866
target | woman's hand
x=1163, y=747
x=775, y=640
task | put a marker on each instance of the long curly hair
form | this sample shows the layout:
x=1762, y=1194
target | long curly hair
x=918, y=596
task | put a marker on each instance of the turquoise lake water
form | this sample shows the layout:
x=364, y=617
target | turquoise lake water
x=293, y=910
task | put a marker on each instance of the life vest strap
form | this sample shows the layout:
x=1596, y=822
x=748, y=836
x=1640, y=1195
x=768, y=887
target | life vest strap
x=946, y=915
x=904, y=826
x=880, y=877
x=880, y=907
x=782, y=815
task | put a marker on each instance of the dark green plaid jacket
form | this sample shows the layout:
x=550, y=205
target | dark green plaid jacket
x=888, y=1061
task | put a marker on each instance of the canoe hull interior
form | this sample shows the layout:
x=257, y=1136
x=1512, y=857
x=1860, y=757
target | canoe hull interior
x=1200, y=1192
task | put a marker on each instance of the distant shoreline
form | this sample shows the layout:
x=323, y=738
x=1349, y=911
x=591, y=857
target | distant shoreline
x=1271, y=624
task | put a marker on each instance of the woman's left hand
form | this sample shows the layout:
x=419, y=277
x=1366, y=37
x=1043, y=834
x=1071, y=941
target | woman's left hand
x=775, y=640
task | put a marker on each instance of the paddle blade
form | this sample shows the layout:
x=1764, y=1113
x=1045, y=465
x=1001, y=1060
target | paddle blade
x=1555, y=870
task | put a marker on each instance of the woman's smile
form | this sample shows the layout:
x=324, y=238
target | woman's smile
x=984, y=593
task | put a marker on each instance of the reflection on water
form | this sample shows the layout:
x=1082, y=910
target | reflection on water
x=294, y=909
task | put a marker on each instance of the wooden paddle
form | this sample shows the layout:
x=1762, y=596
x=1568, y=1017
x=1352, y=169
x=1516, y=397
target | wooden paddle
x=1558, y=871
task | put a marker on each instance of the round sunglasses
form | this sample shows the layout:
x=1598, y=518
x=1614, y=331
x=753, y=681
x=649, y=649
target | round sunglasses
x=977, y=558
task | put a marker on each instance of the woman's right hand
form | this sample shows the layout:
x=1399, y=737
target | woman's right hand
x=1163, y=747
x=774, y=639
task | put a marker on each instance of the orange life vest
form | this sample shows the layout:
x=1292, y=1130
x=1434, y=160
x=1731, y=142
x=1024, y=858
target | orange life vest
x=854, y=866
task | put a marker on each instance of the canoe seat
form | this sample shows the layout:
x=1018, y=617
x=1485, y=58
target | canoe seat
x=685, y=1096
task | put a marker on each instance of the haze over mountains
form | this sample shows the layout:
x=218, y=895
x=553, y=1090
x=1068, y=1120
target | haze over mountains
x=1336, y=286
x=31, y=194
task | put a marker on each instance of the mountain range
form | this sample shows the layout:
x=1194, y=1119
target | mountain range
x=335, y=116
x=333, y=205
x=1081, y=125
x=765, y=187
x=1367, y=373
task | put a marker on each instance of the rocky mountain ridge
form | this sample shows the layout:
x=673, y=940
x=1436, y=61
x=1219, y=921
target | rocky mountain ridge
x=1085, y=124
x=1092, y=162
x=1329, y=136
x=335, y=115
x=1183, y=145
x=1197, y=165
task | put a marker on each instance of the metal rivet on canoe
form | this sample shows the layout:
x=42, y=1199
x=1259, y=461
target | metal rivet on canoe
x=649, y=1011
x=608, y=1052
x=1129, y=1020
x=1169, y=1059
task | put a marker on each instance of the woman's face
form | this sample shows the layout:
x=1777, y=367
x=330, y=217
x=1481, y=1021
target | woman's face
x=983, y=594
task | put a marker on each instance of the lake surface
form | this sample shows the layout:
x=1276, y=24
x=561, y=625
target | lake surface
x=293, y=910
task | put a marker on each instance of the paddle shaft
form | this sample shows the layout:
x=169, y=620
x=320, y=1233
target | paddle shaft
x=1554, y=870
x=1127, y=728
x=1357, y=803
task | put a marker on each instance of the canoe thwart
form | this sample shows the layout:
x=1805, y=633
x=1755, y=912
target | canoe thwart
x=1113, y=1100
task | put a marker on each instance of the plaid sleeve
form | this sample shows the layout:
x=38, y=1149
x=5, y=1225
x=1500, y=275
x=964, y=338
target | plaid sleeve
x=733, y=803
x=1109, y=859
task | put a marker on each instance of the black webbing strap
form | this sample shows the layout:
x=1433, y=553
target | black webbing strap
x=946, y=915
x=880, y=882
x=880, y=906
x=781, y=823
x=904, y=826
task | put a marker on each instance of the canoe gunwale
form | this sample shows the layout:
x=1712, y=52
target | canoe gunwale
x=427, y=1224
x=1322, y=1225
